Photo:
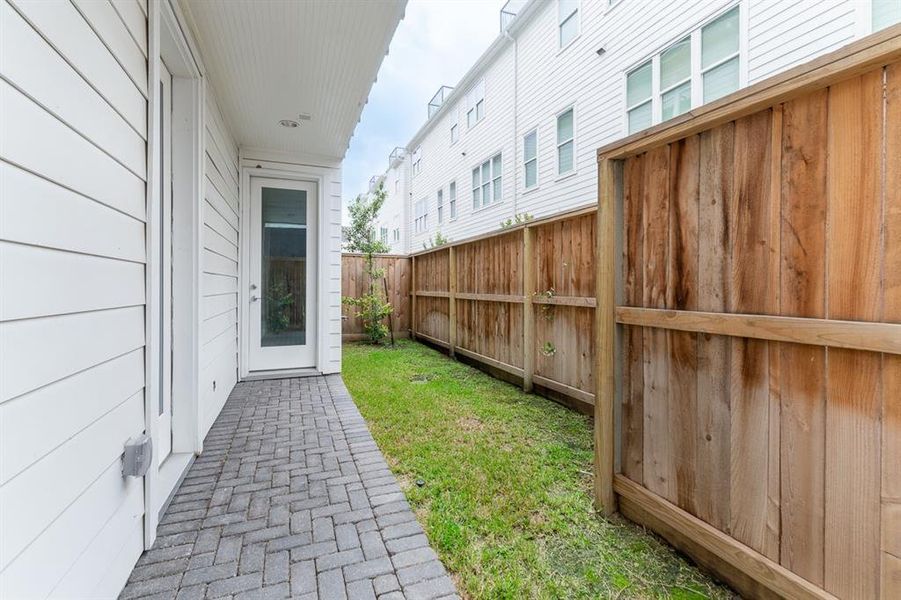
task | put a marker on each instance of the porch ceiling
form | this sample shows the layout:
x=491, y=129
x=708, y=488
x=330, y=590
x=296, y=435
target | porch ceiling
x=270, y=60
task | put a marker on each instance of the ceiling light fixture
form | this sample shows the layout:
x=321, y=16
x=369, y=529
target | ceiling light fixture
x=288, y=123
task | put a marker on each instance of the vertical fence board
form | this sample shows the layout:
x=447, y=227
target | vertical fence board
x=803, y=368
x=632, y=456
x=891, y=383
x=714, y=389
x=659, y=460
x=753, y=284
x=854, y=292
x=682, y=294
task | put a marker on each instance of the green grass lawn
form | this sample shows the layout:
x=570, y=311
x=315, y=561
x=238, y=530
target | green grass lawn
x=506, y=500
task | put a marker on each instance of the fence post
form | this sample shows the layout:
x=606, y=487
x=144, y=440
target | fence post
x=413, y=297
x=604, y=348
x=528, y=321
x=452, y=300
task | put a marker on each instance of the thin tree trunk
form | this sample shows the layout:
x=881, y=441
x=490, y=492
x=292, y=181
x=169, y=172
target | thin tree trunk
x=390, y=320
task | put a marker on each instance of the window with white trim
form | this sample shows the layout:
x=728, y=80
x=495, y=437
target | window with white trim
x=397, y=234
x=567, y=21
x=530, y=159
x=699, y=68
x=452, y=199
x=383, y=235
x=475, y=104
x=721, y=56
x=417, y=161
x=486, y=183
x=421, y=212
x=566, y=129
x=440, y=206
x=454, y=133
x=884, y=13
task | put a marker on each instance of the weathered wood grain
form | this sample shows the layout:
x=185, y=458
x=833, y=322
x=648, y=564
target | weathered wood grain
x=803, y=367
x=632, y=448
x=659, y=457
x=714, y=404
x=891, y=365
x=854, y=266
x=753, y=285
x=682, y=294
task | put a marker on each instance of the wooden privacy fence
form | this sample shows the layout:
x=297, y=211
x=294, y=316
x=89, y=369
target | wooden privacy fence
x=520, y=301
x=749, y=307
x=355, y=282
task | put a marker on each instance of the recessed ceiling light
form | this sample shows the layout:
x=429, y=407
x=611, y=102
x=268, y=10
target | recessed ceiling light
x=288, y=123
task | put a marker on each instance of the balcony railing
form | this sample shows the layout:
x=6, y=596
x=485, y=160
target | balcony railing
x=438, y=99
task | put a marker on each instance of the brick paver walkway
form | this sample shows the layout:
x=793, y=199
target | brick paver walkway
x=290, y=498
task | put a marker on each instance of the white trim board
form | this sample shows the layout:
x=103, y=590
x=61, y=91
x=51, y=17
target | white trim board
x=167, y=41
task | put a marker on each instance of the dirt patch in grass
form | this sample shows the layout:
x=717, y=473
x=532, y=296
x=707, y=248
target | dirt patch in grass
x=507, y=495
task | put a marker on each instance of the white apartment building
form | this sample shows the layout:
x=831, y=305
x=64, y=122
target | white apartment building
x=393, y=221
x=518, y=134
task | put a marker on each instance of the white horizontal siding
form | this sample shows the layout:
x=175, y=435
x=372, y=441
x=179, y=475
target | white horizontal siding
x=783, y=34
x=219, y=263
x=60, y=23
x=72, y=254
x=780, y=34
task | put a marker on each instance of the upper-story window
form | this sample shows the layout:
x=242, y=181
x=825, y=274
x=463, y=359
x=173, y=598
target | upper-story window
x=486, y=183
x=679, y=78
x=383, y=235
x=421, y=212
x=720, y=56
x=530, y=158
x=452, y=199
x=417, y=161
x=396, y=234
x=884, y=13
x=440, y=206
x=455, y=133
x=396, y=184
x=475, y=104
x=566, y=129
x=567, y=21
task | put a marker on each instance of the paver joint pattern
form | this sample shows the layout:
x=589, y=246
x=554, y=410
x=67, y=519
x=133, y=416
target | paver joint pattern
x=290, y=498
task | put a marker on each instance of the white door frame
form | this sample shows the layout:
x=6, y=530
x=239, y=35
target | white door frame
x=167, y=41
x=283, y=357
x=311, y=174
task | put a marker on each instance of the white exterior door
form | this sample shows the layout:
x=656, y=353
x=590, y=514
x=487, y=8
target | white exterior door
x=283, y=274
x=164, y=426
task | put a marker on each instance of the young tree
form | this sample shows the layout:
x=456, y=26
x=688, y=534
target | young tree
x=360, y=236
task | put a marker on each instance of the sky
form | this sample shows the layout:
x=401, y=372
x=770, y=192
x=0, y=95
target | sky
x=434, y=45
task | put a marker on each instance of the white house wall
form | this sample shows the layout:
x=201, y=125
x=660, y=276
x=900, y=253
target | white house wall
x=72, y=258
x=219, y=265
x=777, y=34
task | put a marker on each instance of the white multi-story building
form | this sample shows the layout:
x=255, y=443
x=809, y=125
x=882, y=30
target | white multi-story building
x=393, y=222
x=518, y=134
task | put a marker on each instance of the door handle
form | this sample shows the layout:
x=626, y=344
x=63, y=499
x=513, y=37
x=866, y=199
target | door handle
x=254, y=298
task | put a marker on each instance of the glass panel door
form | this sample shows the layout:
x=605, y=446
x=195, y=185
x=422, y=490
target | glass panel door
x=284, y=267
